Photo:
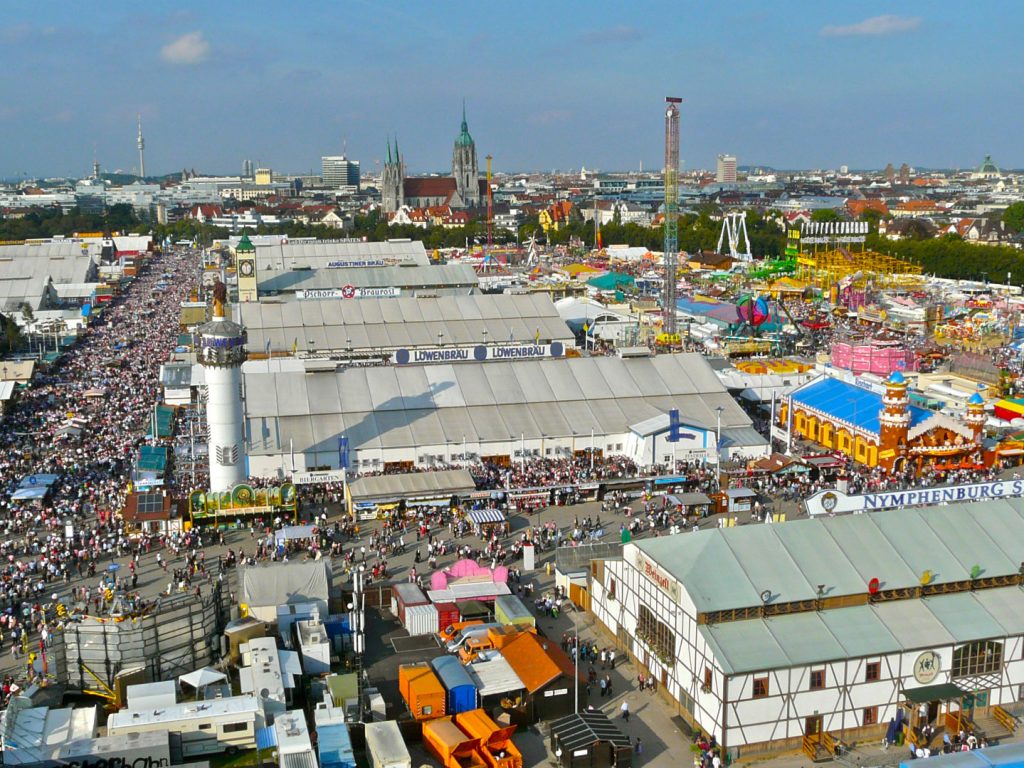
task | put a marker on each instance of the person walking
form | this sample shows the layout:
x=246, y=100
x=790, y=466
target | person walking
x=603, y=685
x=625, y=711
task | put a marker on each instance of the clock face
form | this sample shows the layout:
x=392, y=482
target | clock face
x=247, y=268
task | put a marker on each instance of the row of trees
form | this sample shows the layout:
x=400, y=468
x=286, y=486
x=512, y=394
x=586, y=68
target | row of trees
x=947, y=256
x=950, y=256
x=49, y=222
x=697, y=232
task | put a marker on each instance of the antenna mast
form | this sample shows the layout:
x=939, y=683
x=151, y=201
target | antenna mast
x=670, y=177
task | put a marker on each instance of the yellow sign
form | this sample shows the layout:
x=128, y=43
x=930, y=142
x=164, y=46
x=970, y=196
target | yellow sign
x=887, y=454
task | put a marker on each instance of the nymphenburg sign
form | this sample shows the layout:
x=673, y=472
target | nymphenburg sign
x=837, y=502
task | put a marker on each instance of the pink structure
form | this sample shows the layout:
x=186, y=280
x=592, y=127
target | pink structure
x=467, y=569
x=865, y=358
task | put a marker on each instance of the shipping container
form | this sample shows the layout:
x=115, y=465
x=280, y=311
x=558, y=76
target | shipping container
x=461, y=692
x=385, y=747
x=421, y=619
x=509, y=609
x=422, y=691
x=452, y=746
x=335, y=746
x=496, y=742
x=447, y=615
x=403, y=595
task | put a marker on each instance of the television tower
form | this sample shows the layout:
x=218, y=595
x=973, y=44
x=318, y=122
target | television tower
x=671, y=179
x=222, y=345
x=141, y=143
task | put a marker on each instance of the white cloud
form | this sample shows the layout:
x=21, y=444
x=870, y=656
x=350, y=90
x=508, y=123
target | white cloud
x=191, y=48
x=886, y=24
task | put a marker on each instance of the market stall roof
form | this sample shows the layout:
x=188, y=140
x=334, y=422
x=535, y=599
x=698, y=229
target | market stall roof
x=494, y=676
x=457, y=593
x=26, y=494
x=411, y=485
x=484, y=516
x=582, y=729
x=692, y=499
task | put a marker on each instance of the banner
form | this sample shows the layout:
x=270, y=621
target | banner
x=328, y=476
x=347, y=292
x=837, y=502
x=479, y=353
x=343, y=452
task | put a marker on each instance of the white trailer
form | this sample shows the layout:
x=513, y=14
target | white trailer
x=206, y=727
x=385, y=746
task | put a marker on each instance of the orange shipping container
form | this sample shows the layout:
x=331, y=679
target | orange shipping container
x=422, y=691
x=496, y=742
x=450, y=745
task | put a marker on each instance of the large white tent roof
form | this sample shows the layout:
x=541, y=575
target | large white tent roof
x=402, y=322
x=411, y=406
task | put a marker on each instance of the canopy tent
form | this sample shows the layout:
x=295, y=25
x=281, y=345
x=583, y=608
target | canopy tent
x=485, y=516
x=152, y=458
x=31, y=481
x=27, y=494
x=201, y=678
x=290, y=532
x=164, y=419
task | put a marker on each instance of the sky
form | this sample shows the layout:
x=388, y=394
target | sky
x=786, y=84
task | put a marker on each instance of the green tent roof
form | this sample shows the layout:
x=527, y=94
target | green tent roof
x=164, y=419
x=245, y=245
x=152, y=458
x=610, y=281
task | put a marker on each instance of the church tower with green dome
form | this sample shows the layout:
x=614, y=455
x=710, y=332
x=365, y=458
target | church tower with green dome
x=465, y=169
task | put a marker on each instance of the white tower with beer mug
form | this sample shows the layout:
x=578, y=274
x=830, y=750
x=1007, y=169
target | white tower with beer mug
x=222, y=352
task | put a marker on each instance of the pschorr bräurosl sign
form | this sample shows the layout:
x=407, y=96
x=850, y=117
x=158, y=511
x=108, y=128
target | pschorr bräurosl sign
x=479, y=353
x=837, y=502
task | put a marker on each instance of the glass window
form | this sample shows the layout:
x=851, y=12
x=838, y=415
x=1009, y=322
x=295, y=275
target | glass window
x=870, y=716
x=817, y=679
x=980, y=658
x=760, y=687
x=873, y=671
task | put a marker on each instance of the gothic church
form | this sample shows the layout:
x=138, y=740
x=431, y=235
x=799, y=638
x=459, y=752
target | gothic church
x=463, y=189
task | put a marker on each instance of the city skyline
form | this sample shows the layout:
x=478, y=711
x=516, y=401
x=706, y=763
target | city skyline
x=856, y=85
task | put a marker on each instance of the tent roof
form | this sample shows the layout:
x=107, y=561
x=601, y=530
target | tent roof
x=582, y=729
x=201, y=678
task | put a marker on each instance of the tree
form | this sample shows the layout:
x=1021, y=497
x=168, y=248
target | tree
x=825, y=214
x=872, y=216
x=1013, y=217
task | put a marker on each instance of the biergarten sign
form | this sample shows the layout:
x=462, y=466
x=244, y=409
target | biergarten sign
x=479, y=353
x=347, y=292
x=326, y=476
x=837, y=502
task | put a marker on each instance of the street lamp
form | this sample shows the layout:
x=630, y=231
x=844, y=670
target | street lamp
x=718, y=433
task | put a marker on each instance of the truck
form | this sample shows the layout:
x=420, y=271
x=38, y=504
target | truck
x=495, y=639
x=463, y=635
x=448, y=633
x=385, y=747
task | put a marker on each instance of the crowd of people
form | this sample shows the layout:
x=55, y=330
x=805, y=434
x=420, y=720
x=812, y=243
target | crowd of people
x=107, y=383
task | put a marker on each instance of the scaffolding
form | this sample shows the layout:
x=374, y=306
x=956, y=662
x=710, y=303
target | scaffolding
x=671, y=247
x=827, y=267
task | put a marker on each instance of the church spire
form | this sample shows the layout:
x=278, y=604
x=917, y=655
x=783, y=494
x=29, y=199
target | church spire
x=389, y=150
x=465, y=125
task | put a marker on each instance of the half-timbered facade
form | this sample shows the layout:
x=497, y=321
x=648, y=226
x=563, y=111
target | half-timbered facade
x=765, y=634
